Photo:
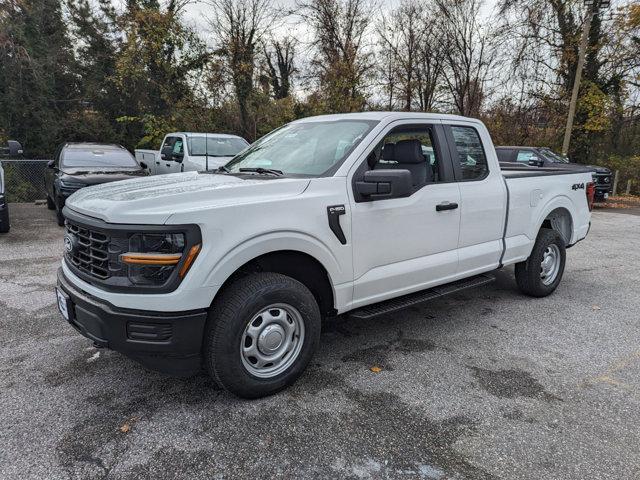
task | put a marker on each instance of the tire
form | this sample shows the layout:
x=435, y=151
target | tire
x=51, y=205
x=249, y=315
x=5, y=226
x=534, y=278
x=59, y=215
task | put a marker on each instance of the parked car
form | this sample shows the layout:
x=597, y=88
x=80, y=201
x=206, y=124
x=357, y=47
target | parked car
x=13, y=149
x=340, y=214
x=79, y=165
x=545, y=157
x=188, y=151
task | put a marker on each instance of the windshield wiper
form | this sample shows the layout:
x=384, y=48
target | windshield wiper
x=223, y=168
x=263, y=171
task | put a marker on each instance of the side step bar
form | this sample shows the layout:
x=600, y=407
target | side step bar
x=400, y=303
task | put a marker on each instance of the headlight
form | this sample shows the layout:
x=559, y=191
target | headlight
x=153, y=257
x=70, y=184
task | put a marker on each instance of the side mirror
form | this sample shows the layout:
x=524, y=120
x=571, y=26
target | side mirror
x=15, y=148
x=381, y=184
x=51, y=164
x=536, y=162
x=178, y=157
x=144, y=166
x=163, y=156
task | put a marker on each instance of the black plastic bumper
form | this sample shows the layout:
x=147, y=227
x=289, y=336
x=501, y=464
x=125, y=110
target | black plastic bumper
x=167, y=342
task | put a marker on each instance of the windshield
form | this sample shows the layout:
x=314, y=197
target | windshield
x=98, y=157
x=554, y=157
x=215, y=146
x=308, y=149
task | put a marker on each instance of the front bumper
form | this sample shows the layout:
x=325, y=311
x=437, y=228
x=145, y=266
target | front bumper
x=167, y=342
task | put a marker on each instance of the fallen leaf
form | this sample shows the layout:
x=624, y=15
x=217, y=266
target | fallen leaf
x=376, y=369
x=128, y=424
x=595, y=307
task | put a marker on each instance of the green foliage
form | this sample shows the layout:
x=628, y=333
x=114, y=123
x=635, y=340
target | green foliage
x=628, y=169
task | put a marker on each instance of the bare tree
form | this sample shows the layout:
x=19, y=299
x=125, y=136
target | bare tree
x=281, y=68
x=240, y=26
x=342, y=62
x=402, y=35
x=469, y=53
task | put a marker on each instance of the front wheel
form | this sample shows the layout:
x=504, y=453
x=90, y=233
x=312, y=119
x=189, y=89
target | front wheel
x=59, y=215
x=261, y=334
x=5, y=226
x=541, y=273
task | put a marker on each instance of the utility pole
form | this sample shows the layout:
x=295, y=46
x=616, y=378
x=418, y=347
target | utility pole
x=592, y=6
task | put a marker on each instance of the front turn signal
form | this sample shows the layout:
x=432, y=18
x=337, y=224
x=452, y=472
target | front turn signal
x=151, y=258
x=191, y=256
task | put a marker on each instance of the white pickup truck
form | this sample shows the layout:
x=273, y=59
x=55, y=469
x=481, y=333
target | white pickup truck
x=191, y=152
x=358, y=214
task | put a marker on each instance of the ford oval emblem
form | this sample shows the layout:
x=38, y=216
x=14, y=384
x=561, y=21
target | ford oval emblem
x=69, y=244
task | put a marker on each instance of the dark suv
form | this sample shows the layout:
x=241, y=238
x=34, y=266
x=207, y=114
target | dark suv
x=545, y=157
x=79, y=165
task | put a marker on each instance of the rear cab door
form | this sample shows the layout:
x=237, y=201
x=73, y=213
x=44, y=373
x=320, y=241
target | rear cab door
x=483, y=196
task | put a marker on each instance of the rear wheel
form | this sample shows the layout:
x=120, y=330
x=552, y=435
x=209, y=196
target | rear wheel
x=542, y=272
x=261, y=334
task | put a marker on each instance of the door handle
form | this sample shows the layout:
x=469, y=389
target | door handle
x=168, y=164
x=446, y=206
x=157, y=163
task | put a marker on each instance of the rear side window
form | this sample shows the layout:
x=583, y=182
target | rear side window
x=473, y=161
x=504, y=154
x=215, y=146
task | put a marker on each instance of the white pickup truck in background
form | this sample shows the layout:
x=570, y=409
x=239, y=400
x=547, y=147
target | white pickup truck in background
x=358, y=214
x=188, y=151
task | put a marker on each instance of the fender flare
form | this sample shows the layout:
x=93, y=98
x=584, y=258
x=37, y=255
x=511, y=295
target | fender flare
x=561, y=201
x=257, y=246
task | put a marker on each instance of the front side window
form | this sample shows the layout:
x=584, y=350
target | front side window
x=172, y=146
x=525, y=155
x=306, y=149
x=408, y=148
x=97, y=157
x=473, y=161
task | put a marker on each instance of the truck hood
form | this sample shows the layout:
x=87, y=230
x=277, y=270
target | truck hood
x=152, y=200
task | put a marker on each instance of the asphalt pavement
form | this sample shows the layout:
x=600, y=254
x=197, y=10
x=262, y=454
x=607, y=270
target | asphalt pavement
x=483, y=384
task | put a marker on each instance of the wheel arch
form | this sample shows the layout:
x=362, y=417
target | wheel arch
x=303, y=259
x=557, y=215
x=560, y=220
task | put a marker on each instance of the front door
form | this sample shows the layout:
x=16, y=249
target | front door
x=171, y=150
x=402, y=245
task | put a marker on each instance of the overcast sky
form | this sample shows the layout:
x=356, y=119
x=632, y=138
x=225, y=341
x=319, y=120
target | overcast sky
x=198, y=13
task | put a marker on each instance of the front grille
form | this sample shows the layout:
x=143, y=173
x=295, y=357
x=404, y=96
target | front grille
x=89, y=250
x=603, y=178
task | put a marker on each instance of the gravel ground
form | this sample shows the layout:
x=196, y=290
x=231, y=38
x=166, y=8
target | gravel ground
x=483, y=384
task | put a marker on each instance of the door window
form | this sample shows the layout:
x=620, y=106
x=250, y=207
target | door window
x=473, y=161
x=172, y=146
x=525, y=155
x=410, y=148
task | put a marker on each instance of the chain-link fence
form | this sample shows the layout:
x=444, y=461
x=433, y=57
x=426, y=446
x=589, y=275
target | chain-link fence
x=24, y=180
